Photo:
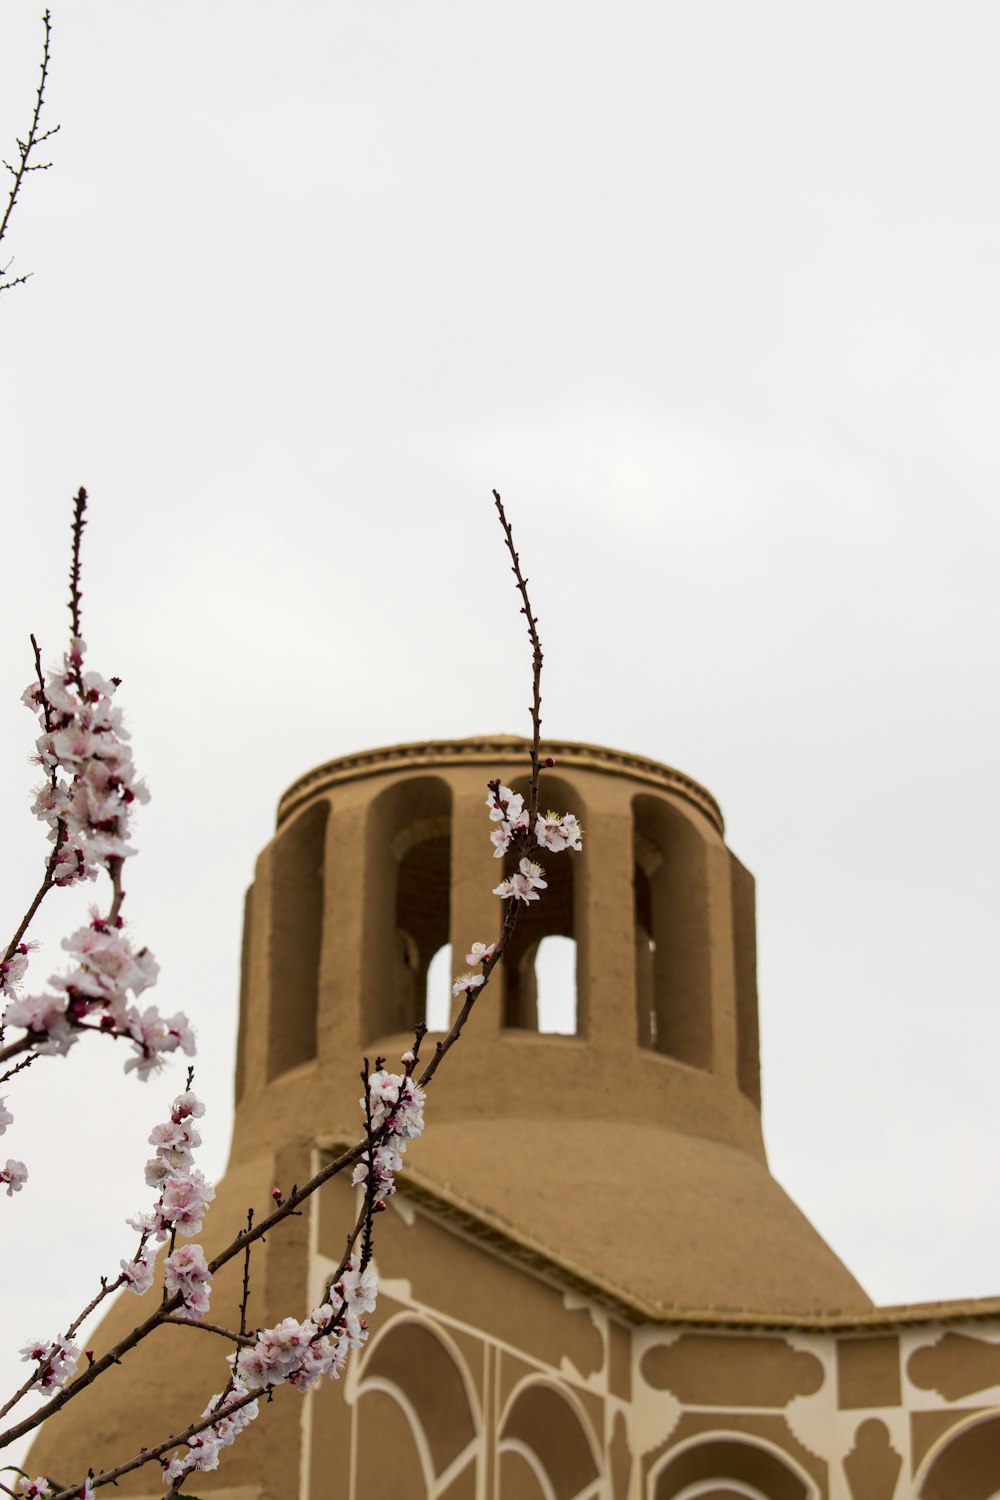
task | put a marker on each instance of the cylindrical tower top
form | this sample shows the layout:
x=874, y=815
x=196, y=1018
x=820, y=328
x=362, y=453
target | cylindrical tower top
x=383, y=858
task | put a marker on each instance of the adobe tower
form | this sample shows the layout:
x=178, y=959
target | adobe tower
x=591, y=1286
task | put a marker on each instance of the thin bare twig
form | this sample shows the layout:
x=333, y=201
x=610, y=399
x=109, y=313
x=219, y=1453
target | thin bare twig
x=107, y=1287
x=18, y=1067
x=242, y=1340
x=536, y=663
x=246, y=1278
x=34, y=138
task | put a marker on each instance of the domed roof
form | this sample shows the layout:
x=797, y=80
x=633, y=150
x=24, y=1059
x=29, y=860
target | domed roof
x=657, y=1220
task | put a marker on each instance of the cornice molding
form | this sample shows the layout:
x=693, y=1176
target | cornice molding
x=496, y=751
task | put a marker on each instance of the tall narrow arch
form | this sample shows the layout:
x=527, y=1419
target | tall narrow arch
x=296, y=931
x=407, y=900
x=672, y=946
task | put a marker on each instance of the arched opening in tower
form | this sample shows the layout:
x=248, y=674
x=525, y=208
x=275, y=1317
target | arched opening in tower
x=407, y=901
x=297, y=870
x=672, y=945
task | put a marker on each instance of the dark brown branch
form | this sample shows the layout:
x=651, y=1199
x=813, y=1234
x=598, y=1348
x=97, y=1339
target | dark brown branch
x=18, y=1067
x=75, y=594
x=147, y=1455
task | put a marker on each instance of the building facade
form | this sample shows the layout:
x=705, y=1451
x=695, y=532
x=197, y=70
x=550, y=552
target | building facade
x=590, y=1284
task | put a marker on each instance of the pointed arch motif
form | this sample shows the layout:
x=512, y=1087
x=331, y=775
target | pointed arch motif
x=964, y=1464
x=544, y=1430
x=417, y=1367
x=728, y=1466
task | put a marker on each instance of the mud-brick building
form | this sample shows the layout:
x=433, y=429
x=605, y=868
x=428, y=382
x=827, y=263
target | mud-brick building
x=591, y=1286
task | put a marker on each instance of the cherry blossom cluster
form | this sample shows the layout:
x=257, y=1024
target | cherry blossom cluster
x=293, y=1352
x=183, y=1202
x=94, y=996
x=396, y=1105
x=56, y=1362
x=553, y=831
x=92, y=782
x=186, y=1271
x=508, y=810
x=205, y=1447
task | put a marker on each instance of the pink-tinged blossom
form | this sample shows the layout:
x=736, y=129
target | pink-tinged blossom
x=507, y=809
x=186, y=1271
x=183, y=1204
x=481, y=953
x=155, y=1036
x=6, y=1118
x=107, y=965
x=466, y=983
x=301, y=1353
x=186, y=1106
x=524, y=884
x=388, y=1160
x=397, y=1101
x=46, y=1018
x=397, y=1110
x=33, y=1487
x=558, y=833
x=92, y=784
x=138, y=1273
x=500, y=839
x=14, y=1175
x=56, y=1362
x=12, y=970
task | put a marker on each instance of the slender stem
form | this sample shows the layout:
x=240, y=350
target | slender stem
x=75, y=593
x=536, y=664
x=107, y=1287
x=369, y=1205
x=246, y=1279
x=241, y=1339
x=34, y=138
x=18, y=1067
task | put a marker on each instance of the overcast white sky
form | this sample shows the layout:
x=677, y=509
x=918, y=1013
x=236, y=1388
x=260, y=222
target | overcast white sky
x=711, y=293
